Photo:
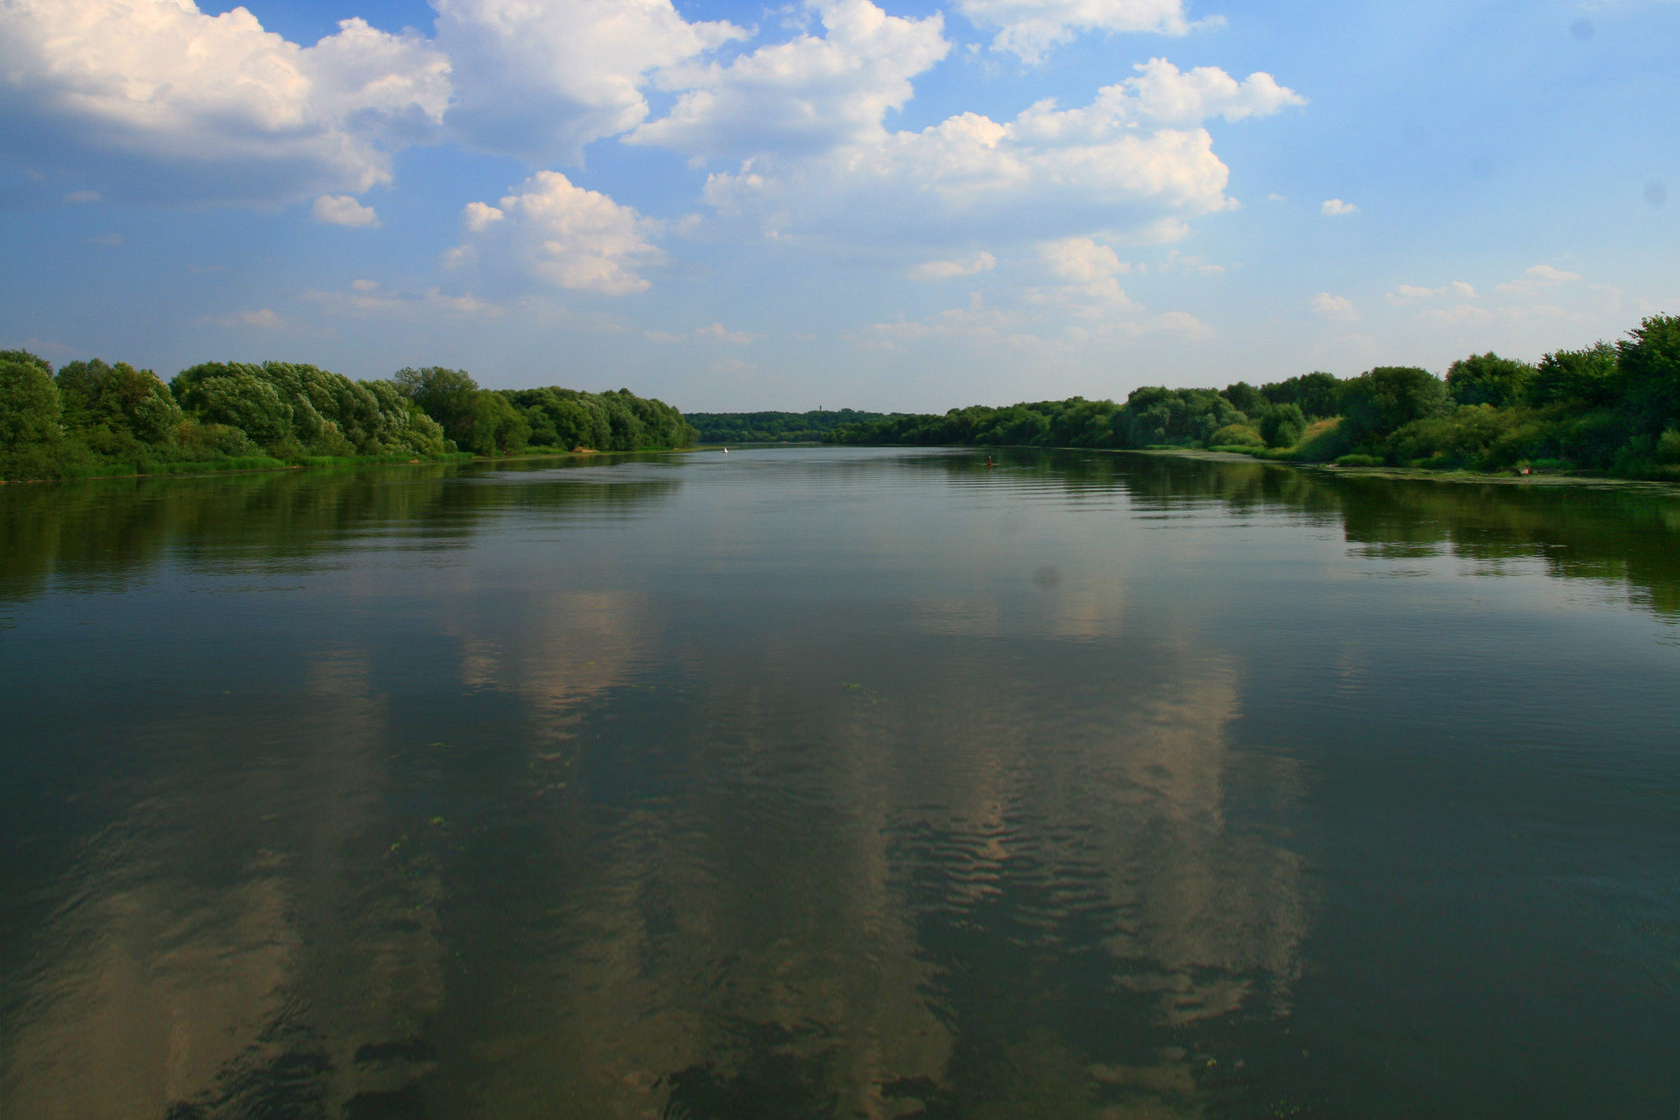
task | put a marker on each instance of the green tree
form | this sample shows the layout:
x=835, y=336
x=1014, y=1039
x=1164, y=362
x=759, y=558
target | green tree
x=1382, y=399
x=1283, y=425
x=1317, y=394
x=1489, y=379
x=237, y=395
x=30, y=406
x=496, y=426
x=1585, y=378
x=106, y=403
x=1649, y=359
x=398, y=425
x=1245, y=398
x=446, y=395
x=30, y=414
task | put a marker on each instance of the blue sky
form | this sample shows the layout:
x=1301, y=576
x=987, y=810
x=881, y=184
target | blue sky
x=887, y=205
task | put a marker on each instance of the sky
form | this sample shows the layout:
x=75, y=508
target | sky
x=896, y=205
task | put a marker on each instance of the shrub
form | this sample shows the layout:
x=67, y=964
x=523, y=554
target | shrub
x=1283, y=425
x=1236, y=435
x=1464, y=439
x=1594, y=438
x=1324, y=441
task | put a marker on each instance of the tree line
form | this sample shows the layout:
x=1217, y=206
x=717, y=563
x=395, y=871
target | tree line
x=93, y=418
x=1609, y=408
x=775, y=427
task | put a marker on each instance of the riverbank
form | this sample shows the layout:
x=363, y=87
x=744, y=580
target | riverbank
x=253, y=464
x=1499, y=478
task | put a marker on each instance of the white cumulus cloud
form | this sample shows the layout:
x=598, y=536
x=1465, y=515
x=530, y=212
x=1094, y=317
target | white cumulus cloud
x=342, y=210
x=1133, y=161
x=155, y=99
x=1081, y=260
x=1162, y=94
x=1087, y=270
x=804, y=96
x=1030, y=28
x=541, y=80
x=563, y=234
x=1335, y=208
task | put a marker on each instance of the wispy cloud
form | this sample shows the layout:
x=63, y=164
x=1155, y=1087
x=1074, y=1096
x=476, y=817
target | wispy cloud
x=949, y=270
x=1412, y=293
x=262, y=319
x=1339, y=308
x=366, y=299
x=1539, y=278
x=715, y=332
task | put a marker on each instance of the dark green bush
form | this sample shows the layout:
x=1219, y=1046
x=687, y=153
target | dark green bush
x=1283, y=425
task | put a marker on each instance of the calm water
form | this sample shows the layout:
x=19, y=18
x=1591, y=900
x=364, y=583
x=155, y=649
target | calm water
x=839, y=783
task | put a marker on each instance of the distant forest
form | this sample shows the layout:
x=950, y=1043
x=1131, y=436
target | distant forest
x=775, y=427
x=90, y=418
x=1610, y=408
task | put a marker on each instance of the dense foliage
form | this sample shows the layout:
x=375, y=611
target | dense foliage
x=1610, y=408
x=508, y=421
x=774, y=427
x=91, y=418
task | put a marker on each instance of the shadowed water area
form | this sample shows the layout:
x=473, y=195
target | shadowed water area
x=839, y=782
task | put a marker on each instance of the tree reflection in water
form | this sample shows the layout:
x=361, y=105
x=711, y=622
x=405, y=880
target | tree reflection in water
x=786, y=789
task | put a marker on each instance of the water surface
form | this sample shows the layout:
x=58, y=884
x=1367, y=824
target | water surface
x=839, y=782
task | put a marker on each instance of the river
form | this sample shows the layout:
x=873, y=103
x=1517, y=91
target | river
x=839, y=782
